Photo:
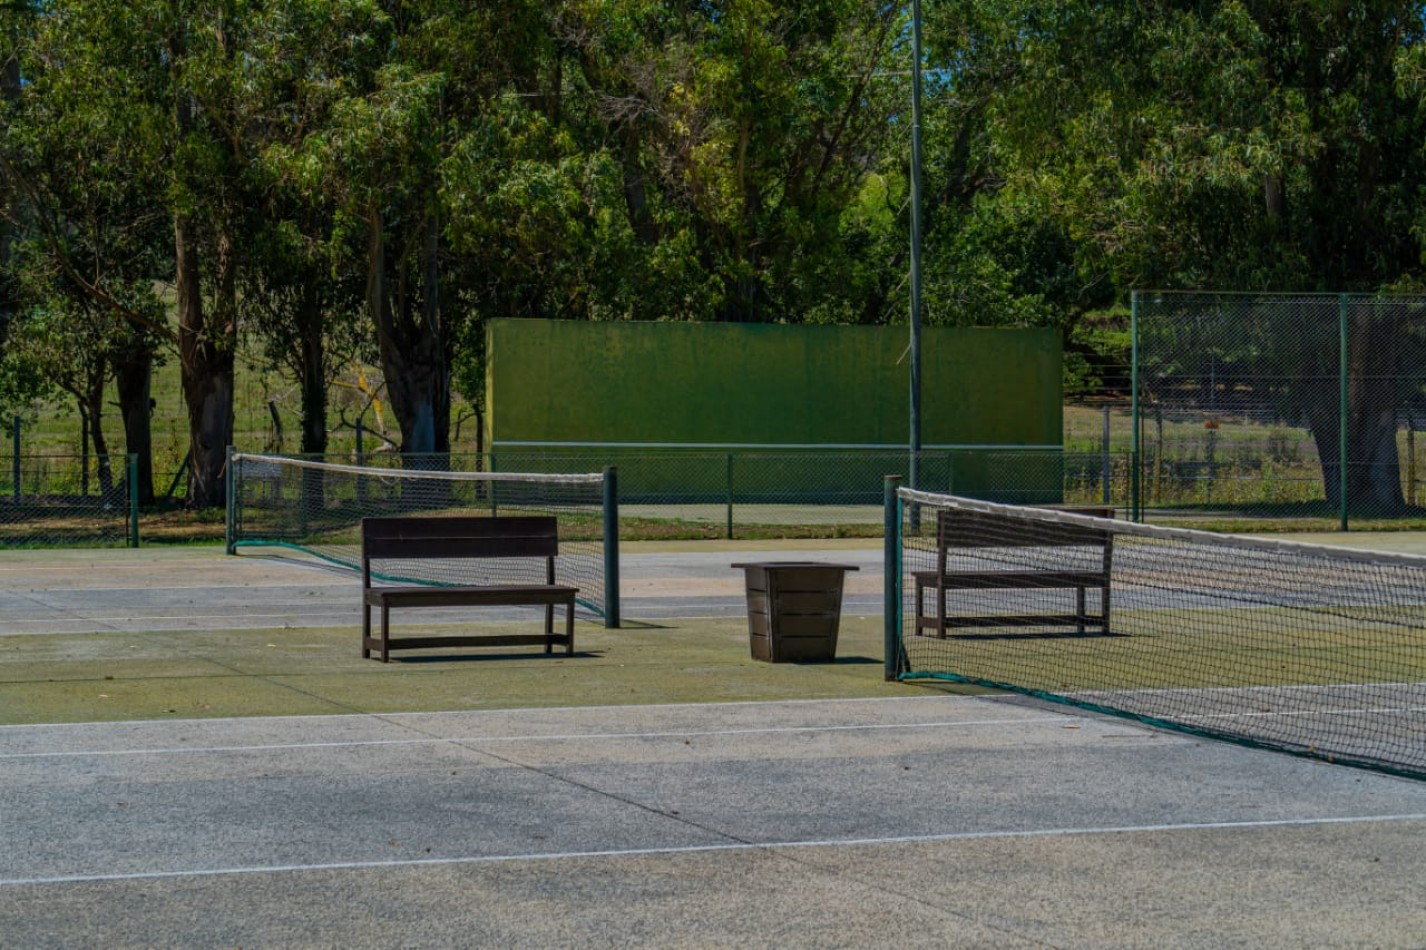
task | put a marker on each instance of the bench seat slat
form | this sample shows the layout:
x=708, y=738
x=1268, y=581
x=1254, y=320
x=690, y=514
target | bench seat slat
x=494, y=640
x=995, y=580
x=513, y=595
x=1010, y=620
x=460, y=547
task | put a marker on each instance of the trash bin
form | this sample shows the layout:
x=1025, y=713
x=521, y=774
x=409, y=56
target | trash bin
x=794, y=609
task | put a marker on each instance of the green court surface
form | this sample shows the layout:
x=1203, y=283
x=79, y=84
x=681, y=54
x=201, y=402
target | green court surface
x=116, y=635
x=298, y=671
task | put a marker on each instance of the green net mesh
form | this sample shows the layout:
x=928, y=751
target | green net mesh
x=317, y=507
x=1304, y=648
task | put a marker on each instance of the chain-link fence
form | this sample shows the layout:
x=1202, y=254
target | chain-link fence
x=1303, y=407
x=61, y=501
x=813, y=492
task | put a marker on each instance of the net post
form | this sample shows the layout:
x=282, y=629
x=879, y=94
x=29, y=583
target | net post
x=891, y=567
x=1343, y=394
x=230, y=534
x=611, y=546
x=132, y=477
x=1136, y=456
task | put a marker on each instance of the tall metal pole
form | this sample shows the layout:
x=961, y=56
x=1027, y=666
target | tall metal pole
x=915, y=243
x=1344, y=310
x=1136, y=452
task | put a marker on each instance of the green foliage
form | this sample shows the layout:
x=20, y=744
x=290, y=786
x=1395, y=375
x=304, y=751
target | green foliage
x=373, y=179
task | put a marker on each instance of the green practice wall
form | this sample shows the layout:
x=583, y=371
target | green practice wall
x=557, y=387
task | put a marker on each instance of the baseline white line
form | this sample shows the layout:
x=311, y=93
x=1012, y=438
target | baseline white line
x=1368, y=711
x=712, y=848
x=229, y=617
x=553, y=737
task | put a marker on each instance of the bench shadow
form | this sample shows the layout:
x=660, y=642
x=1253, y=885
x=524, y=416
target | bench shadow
x=495, y=657
x=1053, y=635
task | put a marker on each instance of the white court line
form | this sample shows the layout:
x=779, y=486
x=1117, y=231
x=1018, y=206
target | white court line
x=565, y=737
x=1393, y=710
x=713, y=848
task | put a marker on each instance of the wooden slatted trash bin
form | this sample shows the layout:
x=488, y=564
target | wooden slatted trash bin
x=794, y=609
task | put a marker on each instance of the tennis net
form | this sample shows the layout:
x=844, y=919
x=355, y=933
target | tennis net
x=316, y=507
x=1314, y=650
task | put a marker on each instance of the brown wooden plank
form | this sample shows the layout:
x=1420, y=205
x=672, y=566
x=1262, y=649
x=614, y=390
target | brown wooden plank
x=808, y=602
x=1009, y=620
x=806, y=625
x=956, y=528
x=460, y=536
x=1001, y=580
x=511, y=595
x=479, y=526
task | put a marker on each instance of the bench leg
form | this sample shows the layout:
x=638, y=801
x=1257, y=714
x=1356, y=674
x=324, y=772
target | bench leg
x=385, y=633
x=1079, y=609
x=1104, y=605
x=365, y=630
x=549, y=629
x=569, y=629
x=940, y=612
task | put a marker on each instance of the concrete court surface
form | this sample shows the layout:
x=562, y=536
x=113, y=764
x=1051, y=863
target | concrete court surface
x=903, y=818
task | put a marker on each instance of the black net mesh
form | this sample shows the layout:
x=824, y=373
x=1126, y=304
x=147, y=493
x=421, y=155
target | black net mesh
x=317, y=507
x=1304, y=648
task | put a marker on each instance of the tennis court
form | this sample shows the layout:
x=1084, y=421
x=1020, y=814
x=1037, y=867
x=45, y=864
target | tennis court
x=659, y=788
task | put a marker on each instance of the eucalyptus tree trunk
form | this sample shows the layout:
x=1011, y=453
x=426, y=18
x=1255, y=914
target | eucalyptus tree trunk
x=1376, y=391
x=313, y=374
x=133, y=374
x=206, y=365
x=93, y=416
x=412, y=351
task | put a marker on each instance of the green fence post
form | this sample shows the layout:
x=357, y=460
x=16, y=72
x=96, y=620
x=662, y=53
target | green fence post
x=1343, y=316
x=15, y=457
x=611, y=546
x=360, y=460
x=730, y=496
x=1136, y=457
x=231, y=523
x=490, y=485
x=1104, y=466
x=132, y=476
x=894, y=661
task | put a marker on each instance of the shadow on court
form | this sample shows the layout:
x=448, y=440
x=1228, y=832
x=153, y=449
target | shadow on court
x=168, y=781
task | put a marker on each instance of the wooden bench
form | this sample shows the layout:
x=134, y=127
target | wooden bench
x=968, y=532
x=468, y=538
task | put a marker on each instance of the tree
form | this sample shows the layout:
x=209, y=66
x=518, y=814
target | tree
x=300, y=292
x=742, y=134
x=1249, y=144
x=78, y=157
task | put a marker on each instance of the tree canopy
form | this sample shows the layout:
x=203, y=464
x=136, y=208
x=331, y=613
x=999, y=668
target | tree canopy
x=342, y=179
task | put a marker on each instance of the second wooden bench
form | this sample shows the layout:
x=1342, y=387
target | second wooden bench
x=976, y=534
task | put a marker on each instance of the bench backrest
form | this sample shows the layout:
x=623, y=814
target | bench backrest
x=459, y=537
x=958, y=528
